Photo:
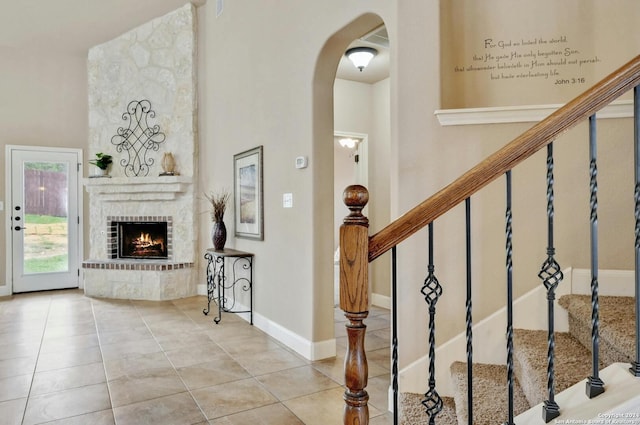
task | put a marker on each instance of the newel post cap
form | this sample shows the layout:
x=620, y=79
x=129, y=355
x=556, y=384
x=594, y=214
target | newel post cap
x=355, y=197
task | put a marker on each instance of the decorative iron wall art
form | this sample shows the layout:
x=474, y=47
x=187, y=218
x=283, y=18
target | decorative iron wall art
x=138, y=139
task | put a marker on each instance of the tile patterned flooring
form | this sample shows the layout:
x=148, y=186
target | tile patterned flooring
x=69, y=359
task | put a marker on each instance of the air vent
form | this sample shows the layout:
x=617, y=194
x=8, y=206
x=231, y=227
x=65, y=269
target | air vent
x=378, y=37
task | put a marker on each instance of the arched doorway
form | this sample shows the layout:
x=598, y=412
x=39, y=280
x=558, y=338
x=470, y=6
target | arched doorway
x=362, y=109
x=323, y=146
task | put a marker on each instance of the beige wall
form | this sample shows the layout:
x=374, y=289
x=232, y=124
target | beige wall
x=353, y=102
x=262, y=101
x=365, y=108
x=43, y=102
x=265, y=78
x=560, y=48
x=379, y=180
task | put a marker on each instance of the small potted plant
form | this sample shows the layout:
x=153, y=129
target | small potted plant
x=218, y=202
x=102, y=161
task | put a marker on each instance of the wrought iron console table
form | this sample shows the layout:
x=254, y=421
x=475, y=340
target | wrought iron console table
x=220, y=288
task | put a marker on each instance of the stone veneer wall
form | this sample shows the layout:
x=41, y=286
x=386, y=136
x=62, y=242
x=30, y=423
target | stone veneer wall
x=154, y=62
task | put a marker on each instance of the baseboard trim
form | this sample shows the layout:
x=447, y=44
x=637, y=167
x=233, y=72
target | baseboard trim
x=617, y=405
x=381, y=301
x=309, y=350
x=618, y=283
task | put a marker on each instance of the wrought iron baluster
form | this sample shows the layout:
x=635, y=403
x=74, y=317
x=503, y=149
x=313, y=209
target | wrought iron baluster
x=595, y=386
x=469, y=317
x=635, y=366
x=394, y=333
x=551, y=276
x=432, y=292
x=509, y=264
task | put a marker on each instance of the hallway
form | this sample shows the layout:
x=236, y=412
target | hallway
x=69, y=359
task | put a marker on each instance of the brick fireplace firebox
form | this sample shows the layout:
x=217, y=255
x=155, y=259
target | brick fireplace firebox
x=140, y=237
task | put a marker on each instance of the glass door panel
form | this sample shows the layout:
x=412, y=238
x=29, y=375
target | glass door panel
x=46, y=228
x=44, y=219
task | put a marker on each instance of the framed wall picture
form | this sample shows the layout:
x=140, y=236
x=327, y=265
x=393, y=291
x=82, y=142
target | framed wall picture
x=248, y=203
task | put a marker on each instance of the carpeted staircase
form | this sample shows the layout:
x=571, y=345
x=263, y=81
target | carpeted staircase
x=572, y=364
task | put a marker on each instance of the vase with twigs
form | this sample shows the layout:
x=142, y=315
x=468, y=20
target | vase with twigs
x=218, y=201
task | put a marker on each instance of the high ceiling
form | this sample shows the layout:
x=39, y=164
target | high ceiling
x=77, y=25
x=74, y=25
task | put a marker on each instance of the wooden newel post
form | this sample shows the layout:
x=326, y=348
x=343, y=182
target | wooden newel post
x=354, y=301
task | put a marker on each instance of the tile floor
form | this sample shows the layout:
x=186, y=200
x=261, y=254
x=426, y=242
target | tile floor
x=69, y=359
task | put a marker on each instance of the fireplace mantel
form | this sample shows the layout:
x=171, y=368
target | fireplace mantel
x=137, y=188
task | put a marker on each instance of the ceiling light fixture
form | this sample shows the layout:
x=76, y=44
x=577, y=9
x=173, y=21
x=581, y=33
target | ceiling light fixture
x=361, y=56
x=348, y=143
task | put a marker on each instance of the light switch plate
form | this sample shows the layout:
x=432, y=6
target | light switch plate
x=287, y=200
x=301, y=162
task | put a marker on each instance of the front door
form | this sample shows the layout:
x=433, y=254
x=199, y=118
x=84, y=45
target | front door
x=45, y=245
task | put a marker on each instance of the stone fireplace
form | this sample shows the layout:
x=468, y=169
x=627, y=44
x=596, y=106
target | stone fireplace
x=151, y=66
x=135, y=254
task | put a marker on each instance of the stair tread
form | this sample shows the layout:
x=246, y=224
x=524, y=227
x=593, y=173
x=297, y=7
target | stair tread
x=572, y=362
x=490, y=393
x=617, y=324
x=412, y=412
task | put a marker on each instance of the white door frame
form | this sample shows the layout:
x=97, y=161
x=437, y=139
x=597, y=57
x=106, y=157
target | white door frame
x=7, y=289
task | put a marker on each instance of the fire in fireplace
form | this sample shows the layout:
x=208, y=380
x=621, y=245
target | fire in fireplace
x=144, y=240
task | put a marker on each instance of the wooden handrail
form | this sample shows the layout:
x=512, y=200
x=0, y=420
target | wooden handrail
x=610, y=88
x=357, y=249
